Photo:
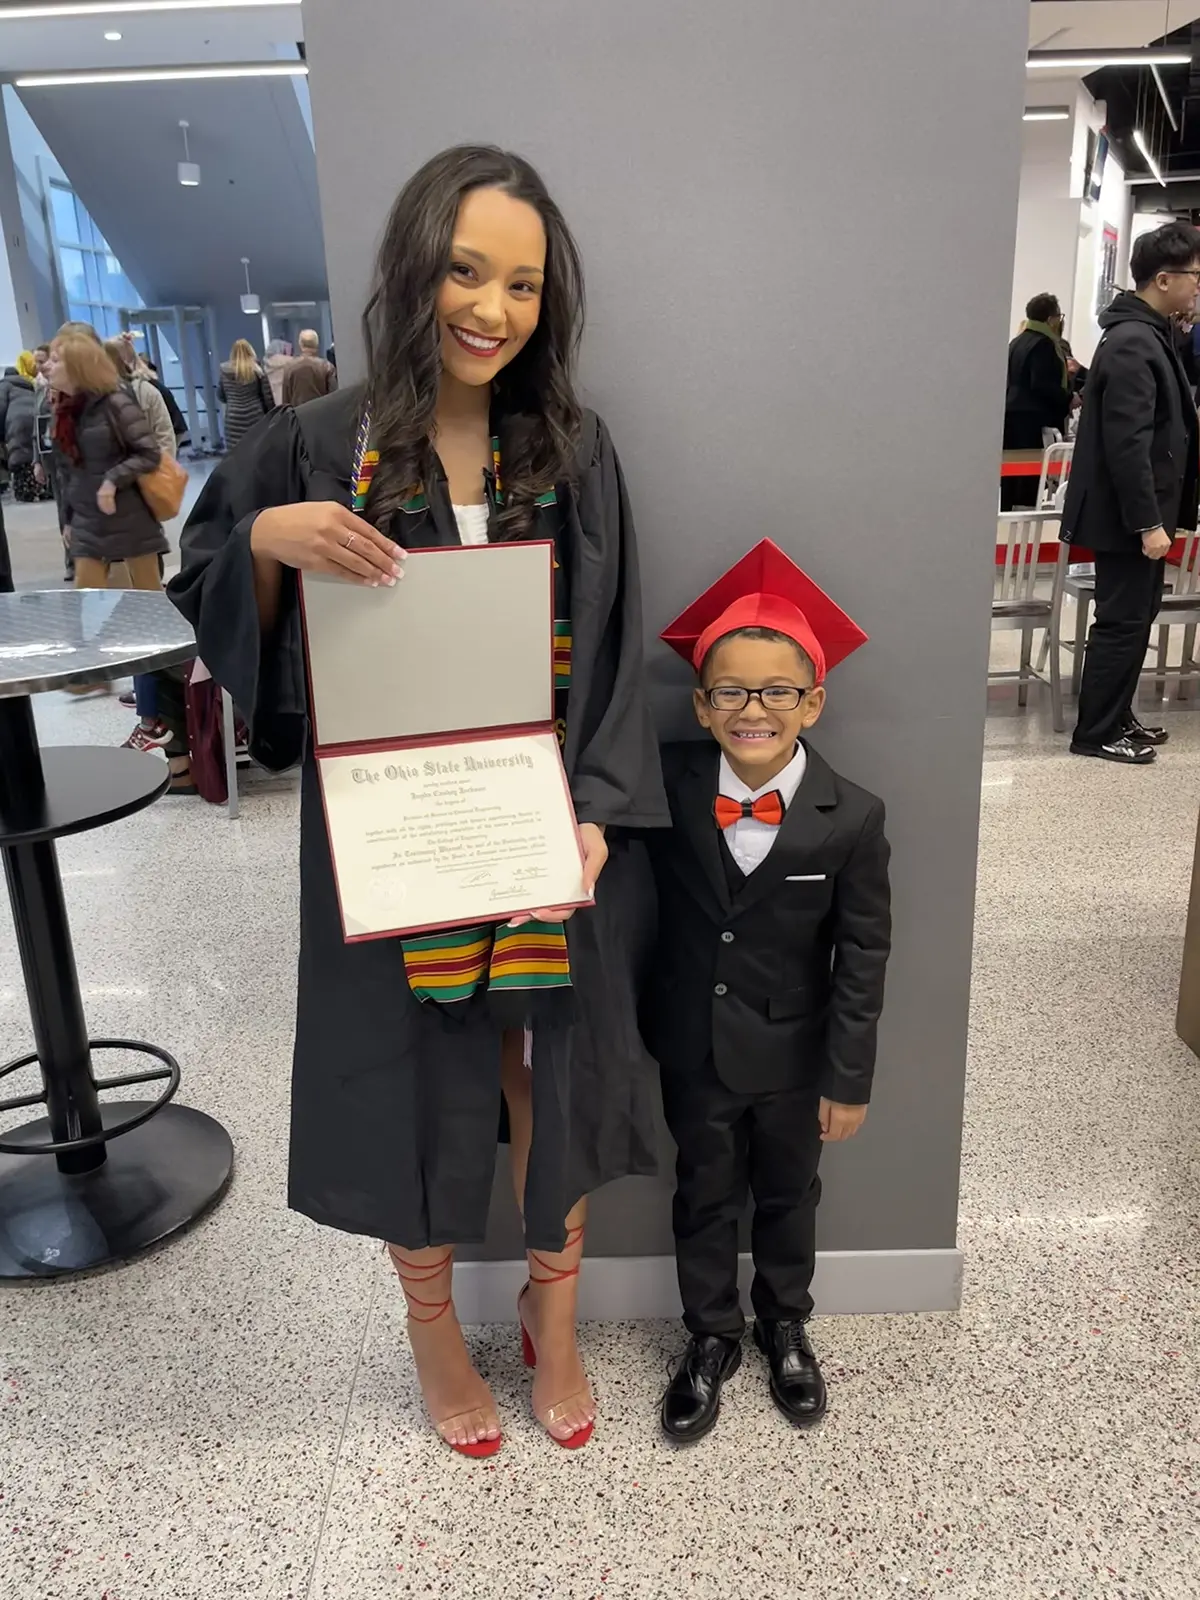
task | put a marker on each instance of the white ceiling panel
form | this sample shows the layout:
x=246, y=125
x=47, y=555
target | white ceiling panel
x=149, y=39
x=1105, y=24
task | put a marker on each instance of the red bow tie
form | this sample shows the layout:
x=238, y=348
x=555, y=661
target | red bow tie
x=767, y=808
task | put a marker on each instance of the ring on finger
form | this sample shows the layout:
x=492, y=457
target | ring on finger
x=349, y=541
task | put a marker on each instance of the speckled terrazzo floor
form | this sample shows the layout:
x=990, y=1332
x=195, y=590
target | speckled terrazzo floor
x=234, y=1416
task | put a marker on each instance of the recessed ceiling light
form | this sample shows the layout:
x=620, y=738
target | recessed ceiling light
x=114, y=37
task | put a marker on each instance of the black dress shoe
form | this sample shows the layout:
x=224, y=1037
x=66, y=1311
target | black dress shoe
x=1122, y=749
x=797, y=1387
x=1136, y=733
x=693, y=1399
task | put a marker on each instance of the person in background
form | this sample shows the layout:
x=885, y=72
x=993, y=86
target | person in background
x=46, y=466
x=1039, y=390
x=309, y=376
x=244, y=392
x=104, y=444
x=18, y=406
x=279, y=359
x=141, y=365
x=145, y=392
x=1134, y=482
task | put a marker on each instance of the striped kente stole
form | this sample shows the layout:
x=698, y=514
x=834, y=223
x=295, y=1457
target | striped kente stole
x=518, y=964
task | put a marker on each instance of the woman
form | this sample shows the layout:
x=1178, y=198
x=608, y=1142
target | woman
x=244, y=392
x=125, y=359
x=471, y=331
x=103, y=444
x=17, y=408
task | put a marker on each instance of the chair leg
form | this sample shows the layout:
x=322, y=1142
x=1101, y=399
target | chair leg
x=1160, y=682
x=1026, y=656
x=1189, y=652
x=1082, y=605
x=228, y=735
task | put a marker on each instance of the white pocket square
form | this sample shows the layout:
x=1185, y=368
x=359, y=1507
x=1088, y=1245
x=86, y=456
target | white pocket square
x=809, y=877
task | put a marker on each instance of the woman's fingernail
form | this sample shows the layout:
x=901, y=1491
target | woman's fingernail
x=391, y=582
x=396, y=572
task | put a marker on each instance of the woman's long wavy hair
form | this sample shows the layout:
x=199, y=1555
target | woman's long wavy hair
x=536, y=410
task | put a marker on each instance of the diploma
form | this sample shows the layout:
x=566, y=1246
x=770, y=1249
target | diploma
x=449, y=834
x=446, y=801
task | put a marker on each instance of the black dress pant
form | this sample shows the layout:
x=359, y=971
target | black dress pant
x=1128, y=593
x=732, y=1146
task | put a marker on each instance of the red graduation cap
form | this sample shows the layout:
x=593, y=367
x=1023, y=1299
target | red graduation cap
x=766, y=589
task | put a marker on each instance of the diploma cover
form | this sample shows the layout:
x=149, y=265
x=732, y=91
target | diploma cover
x=432, y=708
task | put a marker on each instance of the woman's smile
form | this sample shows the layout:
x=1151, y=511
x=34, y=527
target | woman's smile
x=476, y=344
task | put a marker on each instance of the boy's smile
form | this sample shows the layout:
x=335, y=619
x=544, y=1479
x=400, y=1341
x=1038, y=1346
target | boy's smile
x=758, y=738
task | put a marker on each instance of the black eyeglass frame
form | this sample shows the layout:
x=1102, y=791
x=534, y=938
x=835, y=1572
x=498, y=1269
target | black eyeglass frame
x=757, y=694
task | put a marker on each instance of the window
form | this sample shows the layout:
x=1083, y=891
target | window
x=94, y=286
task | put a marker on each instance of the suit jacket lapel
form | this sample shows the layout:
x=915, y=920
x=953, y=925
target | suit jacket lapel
x=694, y=812
x=802, y=833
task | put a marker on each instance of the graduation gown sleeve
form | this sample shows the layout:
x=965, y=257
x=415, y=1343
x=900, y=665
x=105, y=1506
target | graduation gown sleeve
x=215, y=589
x=611, y=751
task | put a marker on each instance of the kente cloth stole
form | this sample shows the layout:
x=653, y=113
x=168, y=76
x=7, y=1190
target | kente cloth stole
x=449, y=967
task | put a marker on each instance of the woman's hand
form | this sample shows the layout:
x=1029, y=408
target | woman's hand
x=106, y=497
x=595, y=854
x=322, y=536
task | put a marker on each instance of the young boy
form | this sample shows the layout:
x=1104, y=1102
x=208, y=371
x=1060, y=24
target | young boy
x=773, y=938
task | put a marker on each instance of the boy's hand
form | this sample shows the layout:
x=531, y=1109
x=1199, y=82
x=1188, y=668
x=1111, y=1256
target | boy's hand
x=839, y=1122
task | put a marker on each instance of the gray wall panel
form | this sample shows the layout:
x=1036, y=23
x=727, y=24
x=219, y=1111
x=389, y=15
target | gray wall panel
x=798, y=223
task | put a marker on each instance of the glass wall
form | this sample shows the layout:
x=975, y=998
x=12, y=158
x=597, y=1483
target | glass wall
x=93, y=283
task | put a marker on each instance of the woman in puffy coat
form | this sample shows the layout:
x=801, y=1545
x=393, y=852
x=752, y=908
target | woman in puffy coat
x=17, y=404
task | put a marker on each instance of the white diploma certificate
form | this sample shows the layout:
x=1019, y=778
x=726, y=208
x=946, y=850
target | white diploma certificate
x=449, y=834
x=445, y=797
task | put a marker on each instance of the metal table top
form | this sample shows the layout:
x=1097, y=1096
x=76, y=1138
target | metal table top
x=53, y=637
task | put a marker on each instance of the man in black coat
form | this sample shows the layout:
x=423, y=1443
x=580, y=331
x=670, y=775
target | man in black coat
x=1134, y=483
x=1039, y=392
x=774, y=932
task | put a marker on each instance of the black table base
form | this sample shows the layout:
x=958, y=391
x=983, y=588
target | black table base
x=91, y=1183
x=153, y=1181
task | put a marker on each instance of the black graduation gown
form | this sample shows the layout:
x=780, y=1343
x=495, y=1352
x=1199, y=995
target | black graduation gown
x=395, y=1105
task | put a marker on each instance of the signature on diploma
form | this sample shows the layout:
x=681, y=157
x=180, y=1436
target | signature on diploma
x=474, y=879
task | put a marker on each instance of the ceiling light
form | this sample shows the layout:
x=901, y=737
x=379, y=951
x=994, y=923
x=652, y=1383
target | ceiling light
x=260, y=69
x=1091, y=60
x=108, y=8
x=1139, y=140
x=250, y=301
x=1047, y=114
x=114, y=37
x=189, y=170
x=1167, y=177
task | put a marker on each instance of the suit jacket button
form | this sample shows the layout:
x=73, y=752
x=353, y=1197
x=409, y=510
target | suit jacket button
x=727, y=938
x=721, y=989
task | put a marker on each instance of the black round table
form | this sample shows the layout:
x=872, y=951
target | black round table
x=89, y=1183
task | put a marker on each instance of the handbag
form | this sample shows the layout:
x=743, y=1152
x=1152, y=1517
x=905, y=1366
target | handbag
x=164, y=488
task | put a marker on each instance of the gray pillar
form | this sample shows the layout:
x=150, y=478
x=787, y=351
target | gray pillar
x=798, y=226
x=185, y=371
x=19, y=265
x=207, y=334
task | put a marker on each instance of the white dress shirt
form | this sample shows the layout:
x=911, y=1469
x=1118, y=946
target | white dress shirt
x=472, y=523
x=749, y=840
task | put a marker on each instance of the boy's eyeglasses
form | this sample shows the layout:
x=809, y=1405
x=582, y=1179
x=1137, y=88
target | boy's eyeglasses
x=775, y=697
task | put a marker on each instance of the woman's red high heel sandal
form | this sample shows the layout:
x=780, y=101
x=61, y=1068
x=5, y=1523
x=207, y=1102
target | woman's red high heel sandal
x=430, y=1311
x=529, y=1350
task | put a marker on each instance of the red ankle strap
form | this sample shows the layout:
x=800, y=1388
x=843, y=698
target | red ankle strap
x=557, y=1274
x=422, y=1274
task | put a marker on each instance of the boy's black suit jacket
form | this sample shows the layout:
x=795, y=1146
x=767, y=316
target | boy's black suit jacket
x=780, y=979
